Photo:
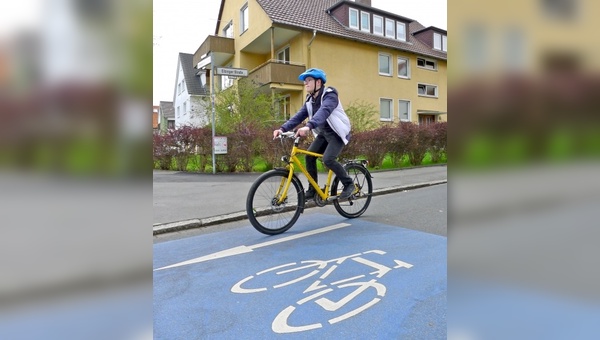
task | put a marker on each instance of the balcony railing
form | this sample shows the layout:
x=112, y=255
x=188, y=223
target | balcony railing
x=214, y=44
x=276, y=72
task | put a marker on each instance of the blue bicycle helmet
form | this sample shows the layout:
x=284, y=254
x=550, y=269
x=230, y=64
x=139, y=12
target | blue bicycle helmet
x=315, y=73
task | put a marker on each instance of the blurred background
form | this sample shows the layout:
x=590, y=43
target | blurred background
x=75, y=169
x=524, y=151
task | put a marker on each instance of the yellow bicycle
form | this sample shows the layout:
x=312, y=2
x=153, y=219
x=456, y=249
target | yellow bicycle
x=276, y=199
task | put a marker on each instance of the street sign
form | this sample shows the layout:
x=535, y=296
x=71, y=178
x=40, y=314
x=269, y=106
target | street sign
x=232, y=72
x=220, y=145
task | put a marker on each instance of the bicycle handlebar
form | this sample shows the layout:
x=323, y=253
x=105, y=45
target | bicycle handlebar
x=288, y=134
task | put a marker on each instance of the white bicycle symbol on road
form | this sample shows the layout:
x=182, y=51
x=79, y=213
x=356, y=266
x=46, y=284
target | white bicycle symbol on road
x=320, y=287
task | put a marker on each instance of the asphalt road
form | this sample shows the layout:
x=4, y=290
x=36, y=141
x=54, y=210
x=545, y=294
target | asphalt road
x=423, y=209
x=382, y=275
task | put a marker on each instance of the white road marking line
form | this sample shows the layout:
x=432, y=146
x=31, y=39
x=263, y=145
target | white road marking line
x=246, y=249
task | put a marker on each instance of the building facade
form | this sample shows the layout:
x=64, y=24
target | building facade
x=166, y=116
x=190, y=98
x=390, y=61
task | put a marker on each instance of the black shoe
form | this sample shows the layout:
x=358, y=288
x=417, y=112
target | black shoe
x=347, y=192
x=309, y=194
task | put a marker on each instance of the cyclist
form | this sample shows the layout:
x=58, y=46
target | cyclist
x=328, y=122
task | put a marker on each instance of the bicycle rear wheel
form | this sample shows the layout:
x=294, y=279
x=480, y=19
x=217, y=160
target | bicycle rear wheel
x=358, y=203
x=264, y=212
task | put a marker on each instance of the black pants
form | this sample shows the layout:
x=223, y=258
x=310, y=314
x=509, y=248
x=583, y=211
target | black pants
x=330, y=145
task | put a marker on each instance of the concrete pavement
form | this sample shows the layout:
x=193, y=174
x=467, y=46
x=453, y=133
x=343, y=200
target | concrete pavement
x=190, y=200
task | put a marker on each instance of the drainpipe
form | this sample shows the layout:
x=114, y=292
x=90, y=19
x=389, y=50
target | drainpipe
x=308, y=47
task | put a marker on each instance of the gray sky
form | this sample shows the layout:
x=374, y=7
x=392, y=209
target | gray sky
x=182, y=25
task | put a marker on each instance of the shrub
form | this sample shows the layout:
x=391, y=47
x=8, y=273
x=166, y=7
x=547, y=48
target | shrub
x=361, y=115
x=164, y=149
x=439, y=140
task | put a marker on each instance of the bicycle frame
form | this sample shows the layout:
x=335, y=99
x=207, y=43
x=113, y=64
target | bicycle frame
x=292, y=162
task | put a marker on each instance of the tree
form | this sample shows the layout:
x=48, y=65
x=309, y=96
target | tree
x=241, y=106
x=361, y=115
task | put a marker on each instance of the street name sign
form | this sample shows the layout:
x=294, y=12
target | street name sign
x=232, y=72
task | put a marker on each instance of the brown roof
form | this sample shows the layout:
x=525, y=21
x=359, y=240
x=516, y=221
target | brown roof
x=315, y=14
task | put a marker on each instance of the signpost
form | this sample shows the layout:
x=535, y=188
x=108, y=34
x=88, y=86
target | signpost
x=221, y=71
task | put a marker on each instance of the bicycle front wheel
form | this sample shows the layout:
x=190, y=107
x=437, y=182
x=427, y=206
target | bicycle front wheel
x=358, y=203
x=265, y=212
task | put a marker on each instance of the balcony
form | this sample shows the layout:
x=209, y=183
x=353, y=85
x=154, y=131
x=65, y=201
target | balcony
x=221, y=48
x=278, y=75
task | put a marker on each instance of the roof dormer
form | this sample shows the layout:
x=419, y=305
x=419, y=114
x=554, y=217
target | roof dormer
x=433, y=37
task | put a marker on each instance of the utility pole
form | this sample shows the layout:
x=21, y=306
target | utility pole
x=212, y=98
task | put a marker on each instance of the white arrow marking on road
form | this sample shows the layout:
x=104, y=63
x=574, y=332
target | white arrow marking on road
x=246, y=249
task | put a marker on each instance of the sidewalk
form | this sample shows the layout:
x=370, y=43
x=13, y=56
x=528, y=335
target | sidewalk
x=191, y=200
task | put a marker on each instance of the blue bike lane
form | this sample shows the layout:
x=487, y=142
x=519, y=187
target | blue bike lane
x=327, y=277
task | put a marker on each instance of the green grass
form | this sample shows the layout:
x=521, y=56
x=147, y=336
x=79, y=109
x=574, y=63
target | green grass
x=260, y=165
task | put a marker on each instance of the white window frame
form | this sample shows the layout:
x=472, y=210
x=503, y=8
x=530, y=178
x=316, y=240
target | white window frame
x=440, y=41
x=435, y=87
x=368, y=21
x=390, y=28
x=409, y=110
x=227, y=81
x=398, y=25
x=425, y=61
x=437, y=41
x=375, y=18
x=185, y=108
x=391, y=107
x=228, y=28
x=407, y=76
x=283, y=50
x=244, y=17
x=391, y=68
x=350, y=12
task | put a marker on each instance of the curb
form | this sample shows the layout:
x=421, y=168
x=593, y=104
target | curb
x=163, y=228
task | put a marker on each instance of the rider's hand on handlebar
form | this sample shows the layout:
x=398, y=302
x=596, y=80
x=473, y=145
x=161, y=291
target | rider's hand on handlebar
x=303, y=131
x=276, y=133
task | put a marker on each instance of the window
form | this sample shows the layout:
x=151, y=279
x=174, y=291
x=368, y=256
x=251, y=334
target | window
x=184, y=108
x=400, y=31
x=439, y=42
x=425, y=63
x=386, y=110
x=403, y=67
x=353, y=18
x=390, y=28
x=385, y=64
x=170, y=124
x=284, y=55
x=365, y=21
x=178, y=111
x=228, y=30
x=244, y=18
x=226, y=82
x=377, y=25
x=566, y=10
x=427, y=90
x=284, y=108
x=404, y=110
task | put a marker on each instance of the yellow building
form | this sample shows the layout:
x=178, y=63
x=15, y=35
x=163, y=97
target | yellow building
x=369, y=55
